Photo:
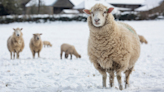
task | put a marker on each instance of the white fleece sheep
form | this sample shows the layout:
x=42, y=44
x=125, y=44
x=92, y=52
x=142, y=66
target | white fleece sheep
x=15, y=43
x=36, y=44
x=69, y=50
x=112, y=46
x=47, y=43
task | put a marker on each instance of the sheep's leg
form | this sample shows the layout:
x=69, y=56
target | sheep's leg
x=44, y=46
x=17, y=55
x=119, y=80
x=33, y=53
x=11, y=55
x=127, y=76
x=61, y=54
x=71, y=56
x=14, y=54
x=102, y=72
x=111, y=77
x=66, y=56
x=38, y=53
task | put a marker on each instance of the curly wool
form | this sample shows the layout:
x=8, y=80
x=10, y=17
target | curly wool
x=47, y=43
x=113, y=44
x=14, y=43
x=36, y=45
x=69, y=49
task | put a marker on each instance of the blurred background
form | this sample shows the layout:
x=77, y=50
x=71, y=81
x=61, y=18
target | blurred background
x=71, y=10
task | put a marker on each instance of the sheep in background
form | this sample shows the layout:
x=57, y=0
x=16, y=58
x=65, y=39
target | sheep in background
x=15, y=43
x=112, y=46
x=142, y=39
x=36, y=44
x=69, y=49
x=47, y=43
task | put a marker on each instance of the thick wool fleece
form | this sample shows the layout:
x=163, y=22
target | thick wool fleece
x=36, y=45
x=15, y=44
x=47, y=43
x=113, y=45
x=69, y=49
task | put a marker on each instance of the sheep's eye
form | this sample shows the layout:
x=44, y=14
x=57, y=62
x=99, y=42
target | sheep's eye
x=105, y=12
x=92, y=13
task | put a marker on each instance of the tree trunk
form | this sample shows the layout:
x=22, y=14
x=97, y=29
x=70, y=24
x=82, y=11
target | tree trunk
x=39, y=6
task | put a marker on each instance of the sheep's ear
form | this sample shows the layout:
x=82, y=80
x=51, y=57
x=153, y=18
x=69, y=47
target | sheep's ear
x=33, y=34
x=21, y=29
x=14, y=29
x=110, y=10
x=87, y=11
x=40, y=33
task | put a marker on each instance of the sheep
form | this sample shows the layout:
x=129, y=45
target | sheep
x=69, y=49
x=112, y=46
x=142, y=39
x=36, y=44
x=15, y=43
x=47, y=43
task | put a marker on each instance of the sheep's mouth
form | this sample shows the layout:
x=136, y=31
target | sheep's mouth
x=97, y=23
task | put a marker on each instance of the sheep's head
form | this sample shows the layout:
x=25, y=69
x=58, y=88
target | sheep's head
x=98, y=14
x=17, y=32
x=37, y=36
x=79, y=56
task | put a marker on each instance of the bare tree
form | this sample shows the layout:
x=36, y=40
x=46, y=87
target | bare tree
x=39, y=2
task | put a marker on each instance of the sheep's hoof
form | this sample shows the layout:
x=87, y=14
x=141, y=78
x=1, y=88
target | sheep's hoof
x=111, y=85
x=126, y=85
x=120, y=87
x=104, y=85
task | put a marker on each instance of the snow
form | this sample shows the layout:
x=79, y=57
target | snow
x=80, y=6
x=125, y=1
x=45, y=2
x=68, y=11
x=47, y=15
x=149, y=4
x=51, y=74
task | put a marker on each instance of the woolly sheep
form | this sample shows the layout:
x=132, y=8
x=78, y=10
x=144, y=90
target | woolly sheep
x=69, y=49
x=112, y=46
x=47, y=43
x=36, y=44
x=142, y=39
x=15, y=43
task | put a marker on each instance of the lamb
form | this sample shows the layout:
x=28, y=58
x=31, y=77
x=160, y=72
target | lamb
x=15, y=43
x=47, y=43
x=36, y=44
x=112, y=46
x=142, y=39
x=69, y=49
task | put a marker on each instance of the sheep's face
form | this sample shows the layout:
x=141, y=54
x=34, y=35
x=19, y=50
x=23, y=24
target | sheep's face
x=17, y=32
x=98, y=17
x=37, y=36
x=98, y=14
x=79, y=56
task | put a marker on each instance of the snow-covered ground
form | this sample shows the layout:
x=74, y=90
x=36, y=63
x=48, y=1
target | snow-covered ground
x=51, y=74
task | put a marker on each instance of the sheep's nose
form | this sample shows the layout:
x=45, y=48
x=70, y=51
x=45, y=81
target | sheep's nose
x=38, y=38
x=17, y=34
x=96, y=20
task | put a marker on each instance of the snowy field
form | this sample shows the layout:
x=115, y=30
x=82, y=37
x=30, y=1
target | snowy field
x=51, y=74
